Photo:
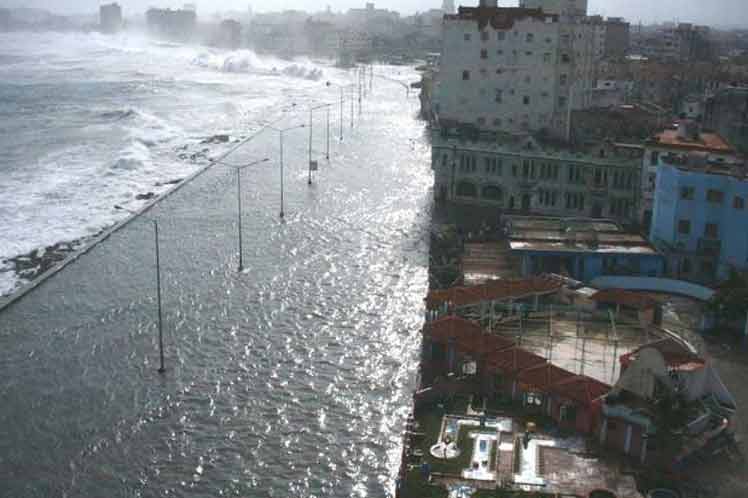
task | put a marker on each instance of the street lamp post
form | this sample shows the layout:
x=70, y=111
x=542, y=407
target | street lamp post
x=161, y=368
x=238, y=168
x=327, y=138
x=281, y=132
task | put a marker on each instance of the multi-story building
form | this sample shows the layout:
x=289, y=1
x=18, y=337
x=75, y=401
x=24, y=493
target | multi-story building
x=700, y=218
x=5, y=19
x=726, y=111
x=527, y=175
x=110, y=18
x=611, y=37
x=514, y=70
x=172, y=24
x=682, y=146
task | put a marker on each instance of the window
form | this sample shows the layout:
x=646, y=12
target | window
x=466, y=75
x=499, y=96
x=467, y=37
x=654, y=158
x=499, y=52
x=483, y=53
x=715, y=196
x=711, y=230
x=526, y=100
x=565, y=58
x=530, y=38
x=738, y=203
x=707, y=268
x=561, y=101
x=684, y=227
x=529, y=53
x=501, y=35
x=563, y=79
x=484, y=35
x=687, y=193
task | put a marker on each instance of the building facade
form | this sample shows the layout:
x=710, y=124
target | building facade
x=513, y=70
x=726, y=111
x=700, y=219
x=525, y=175
x=581, y=248
x=685, y=145
x=110, y=18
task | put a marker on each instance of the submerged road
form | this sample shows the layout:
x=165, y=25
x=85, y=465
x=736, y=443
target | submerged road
x=292, y=378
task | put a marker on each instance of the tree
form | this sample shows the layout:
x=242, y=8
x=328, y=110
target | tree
x=730, y=302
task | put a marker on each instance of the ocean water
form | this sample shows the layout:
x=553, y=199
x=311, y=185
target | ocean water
x=89, y=121
x=292, y=378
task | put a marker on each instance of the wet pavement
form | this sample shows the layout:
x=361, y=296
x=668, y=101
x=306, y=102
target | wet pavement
x=292, y=378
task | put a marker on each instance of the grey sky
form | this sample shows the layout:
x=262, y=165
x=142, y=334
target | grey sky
x=714, y=12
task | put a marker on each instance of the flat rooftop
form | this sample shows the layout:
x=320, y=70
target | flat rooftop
x=709, y=142
x=528, y=233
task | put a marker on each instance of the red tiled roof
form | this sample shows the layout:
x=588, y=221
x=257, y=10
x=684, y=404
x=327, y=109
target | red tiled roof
x=581, y=388
x=707, y=142
x=493, y=290
x=625, y=298
x=676, y=354
x=544, y=376
x=512, y=360
x=469, y=336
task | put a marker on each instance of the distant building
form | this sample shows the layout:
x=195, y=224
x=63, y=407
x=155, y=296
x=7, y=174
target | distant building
x=612, y=38
x=448, y=6
x=687, y=145
x=622, y=123
x=110, y=18
x=5, y=19
x=565, y=8
x=229, y=34
x=727, y=112
x=373, y=21
x=580, y=248
x=172, y=24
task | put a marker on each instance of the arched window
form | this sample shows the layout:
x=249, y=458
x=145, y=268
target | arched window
x=466, y=189
x=491, y=192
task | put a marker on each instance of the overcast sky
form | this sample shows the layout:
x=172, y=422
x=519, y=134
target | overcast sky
x=713, y=12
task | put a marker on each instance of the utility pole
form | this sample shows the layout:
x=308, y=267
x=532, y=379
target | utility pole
x=161, y=368
x=309, y=182
x=239, y=215
x=280, y=134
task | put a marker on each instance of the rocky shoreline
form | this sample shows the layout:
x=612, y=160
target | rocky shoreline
x=29, y=266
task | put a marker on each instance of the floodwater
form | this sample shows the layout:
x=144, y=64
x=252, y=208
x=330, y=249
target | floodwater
x=292, y=378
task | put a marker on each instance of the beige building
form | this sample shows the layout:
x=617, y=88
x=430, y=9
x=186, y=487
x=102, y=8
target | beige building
x=514, y=70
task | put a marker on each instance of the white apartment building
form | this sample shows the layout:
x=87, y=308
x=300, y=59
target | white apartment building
x=515, y=70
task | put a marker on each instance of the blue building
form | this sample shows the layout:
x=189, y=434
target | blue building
x=700, y=219
x=581, y=248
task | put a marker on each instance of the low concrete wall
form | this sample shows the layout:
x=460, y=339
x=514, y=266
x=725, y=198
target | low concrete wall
x=653, y=284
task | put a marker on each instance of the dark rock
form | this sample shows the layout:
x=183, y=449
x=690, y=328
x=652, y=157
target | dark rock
x=145, y=197
x=216, y=139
